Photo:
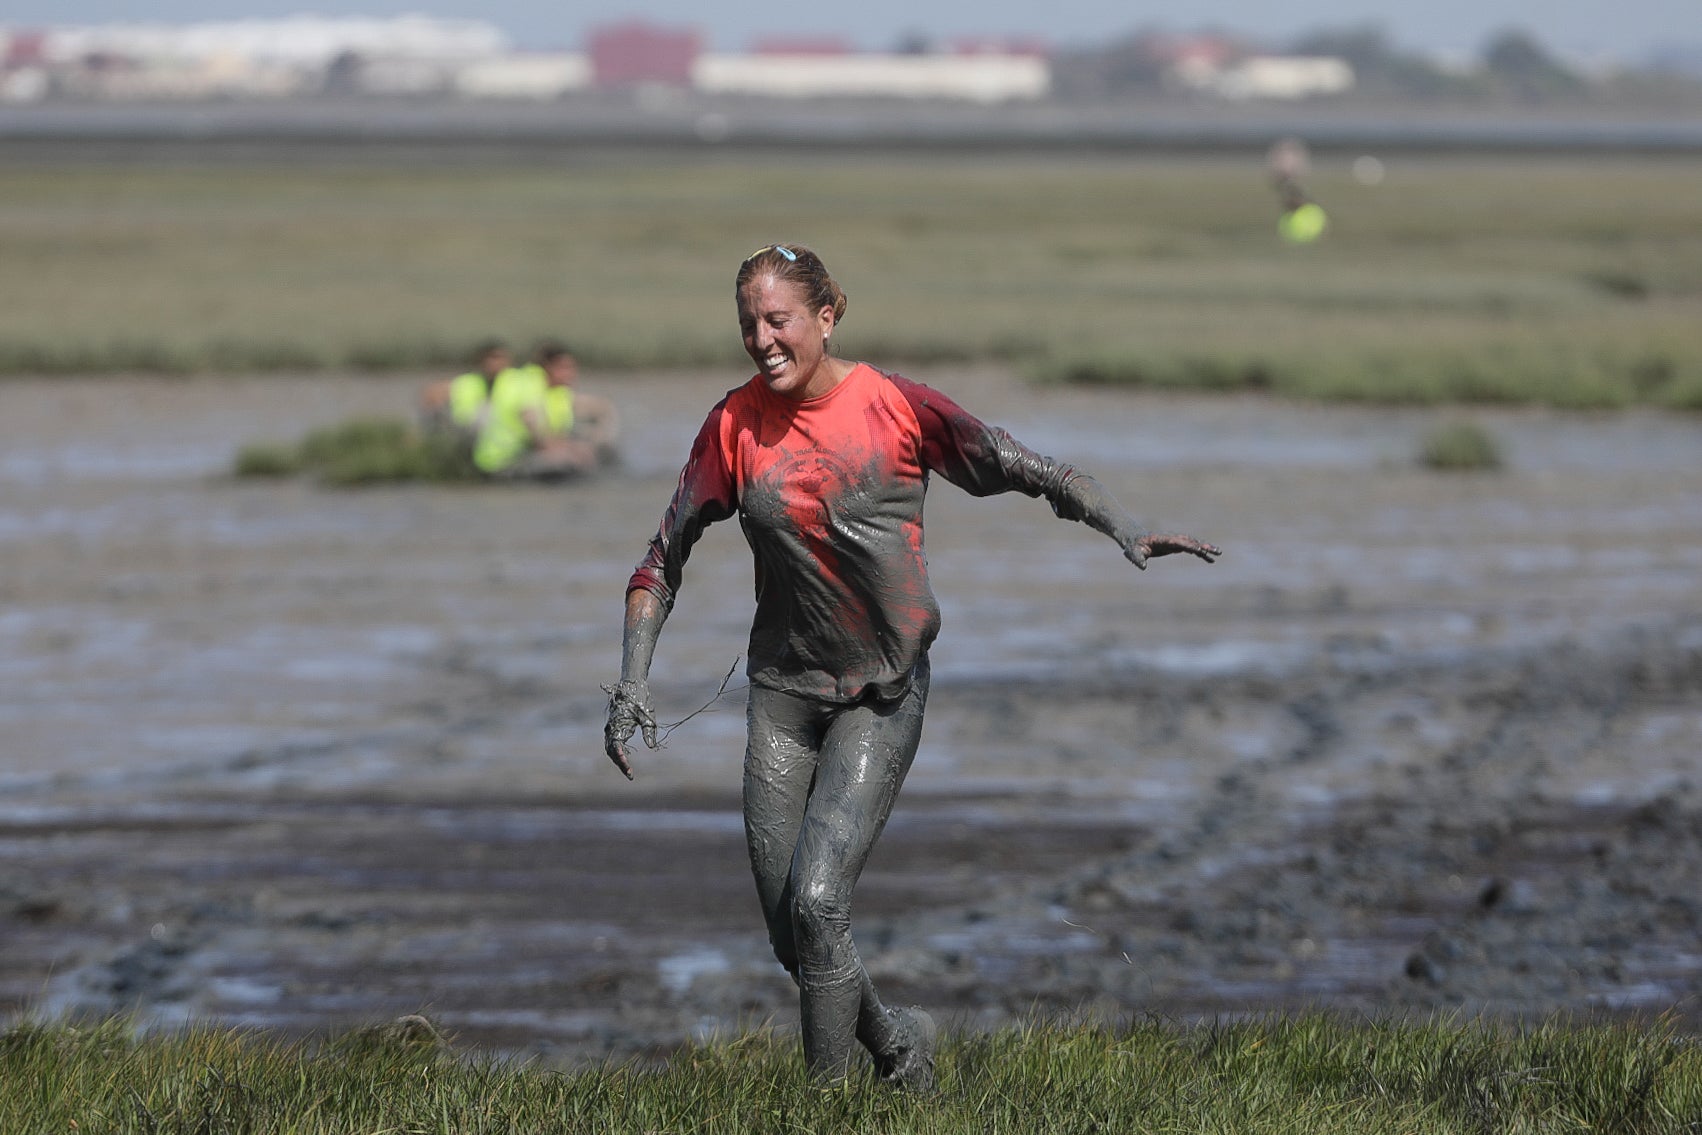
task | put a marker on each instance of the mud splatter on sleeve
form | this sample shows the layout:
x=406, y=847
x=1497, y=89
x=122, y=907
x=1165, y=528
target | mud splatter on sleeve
x=706, y=493
x=983, y=460
x=979, y=459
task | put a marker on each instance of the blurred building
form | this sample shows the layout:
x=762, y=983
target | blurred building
x=975, y=77
x=1283, y=77
x=23, y=65
x=531, y=75
x=406, y=54
x=639, y=54
x=300, y=41
x=423, y=56
x=636, y=53
x=1223, y=65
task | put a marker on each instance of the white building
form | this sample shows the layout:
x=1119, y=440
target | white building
x=420, y=55
x=978, y=78
x=297, y=41
x=263, y=58
x=1276, y=77
x=530, y=76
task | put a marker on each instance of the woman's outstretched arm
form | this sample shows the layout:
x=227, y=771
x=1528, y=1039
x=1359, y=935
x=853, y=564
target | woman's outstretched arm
x=1085, y=499
x=983, y=460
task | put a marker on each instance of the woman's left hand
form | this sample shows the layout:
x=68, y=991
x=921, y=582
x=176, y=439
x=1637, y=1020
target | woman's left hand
x=1144, y=548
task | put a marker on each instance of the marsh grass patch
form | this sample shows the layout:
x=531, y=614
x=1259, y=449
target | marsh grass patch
x=363, y=451
x=1448, y=282
x=1461, y=446
x=1307, y=1073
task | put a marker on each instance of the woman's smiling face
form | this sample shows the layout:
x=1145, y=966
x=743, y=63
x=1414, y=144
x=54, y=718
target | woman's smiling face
x=786, y=340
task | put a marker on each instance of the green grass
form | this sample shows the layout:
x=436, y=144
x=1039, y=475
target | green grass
x=1567, y=282
x=360, y=452
x=1460, y=446
x=1304, y=1075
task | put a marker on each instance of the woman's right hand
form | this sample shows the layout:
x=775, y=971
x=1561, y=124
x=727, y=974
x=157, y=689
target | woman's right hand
x=629, y=711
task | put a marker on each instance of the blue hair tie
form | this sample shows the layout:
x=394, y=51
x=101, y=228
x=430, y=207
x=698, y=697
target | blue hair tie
x=780, y=248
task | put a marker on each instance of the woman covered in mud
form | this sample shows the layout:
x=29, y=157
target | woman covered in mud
x=826, y=462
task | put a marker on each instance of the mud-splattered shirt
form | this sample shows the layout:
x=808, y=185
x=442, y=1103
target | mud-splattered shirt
x=829, y=493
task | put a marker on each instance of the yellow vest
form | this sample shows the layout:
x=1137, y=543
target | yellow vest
x=468, y=394
x=1303, y=225
x=505, y=438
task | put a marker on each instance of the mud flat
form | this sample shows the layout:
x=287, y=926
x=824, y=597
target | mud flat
x=299, y=758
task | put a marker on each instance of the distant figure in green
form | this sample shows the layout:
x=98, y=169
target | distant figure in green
x=536, y=426
x=1302, y=220
x=458, y=406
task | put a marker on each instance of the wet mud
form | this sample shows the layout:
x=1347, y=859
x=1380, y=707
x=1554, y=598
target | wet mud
x=301, y=759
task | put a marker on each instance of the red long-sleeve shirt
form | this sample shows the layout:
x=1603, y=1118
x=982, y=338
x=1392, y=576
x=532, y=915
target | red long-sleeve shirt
x=829, y=493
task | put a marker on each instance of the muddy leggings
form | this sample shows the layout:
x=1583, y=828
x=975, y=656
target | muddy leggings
x=820, y=781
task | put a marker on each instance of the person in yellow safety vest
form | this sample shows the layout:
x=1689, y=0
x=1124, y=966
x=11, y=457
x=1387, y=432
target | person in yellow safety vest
x=458, y=405
x=529, y=425
x=1303, y=220
x=470, y=393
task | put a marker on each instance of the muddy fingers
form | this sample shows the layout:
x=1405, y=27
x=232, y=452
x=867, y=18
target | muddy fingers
x=629, y=712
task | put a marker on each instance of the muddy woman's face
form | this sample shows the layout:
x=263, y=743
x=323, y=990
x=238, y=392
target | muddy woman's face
x=786, y=340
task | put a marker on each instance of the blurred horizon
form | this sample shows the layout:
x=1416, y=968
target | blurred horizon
x=1585, y=32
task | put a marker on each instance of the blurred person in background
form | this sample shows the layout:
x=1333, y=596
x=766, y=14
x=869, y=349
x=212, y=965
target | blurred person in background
x=458, y=406
x=537, y=426
x=1302, y=220
x=826, y=462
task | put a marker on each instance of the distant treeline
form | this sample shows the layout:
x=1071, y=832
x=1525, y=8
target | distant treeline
x=1513, y=66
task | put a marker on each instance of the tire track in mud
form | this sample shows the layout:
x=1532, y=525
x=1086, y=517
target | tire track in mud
x=1462, y=872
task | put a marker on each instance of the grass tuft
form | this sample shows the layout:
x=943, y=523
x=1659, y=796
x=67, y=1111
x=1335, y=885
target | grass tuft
x=1460, y=446
x=268, y=459
x=361, y=452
